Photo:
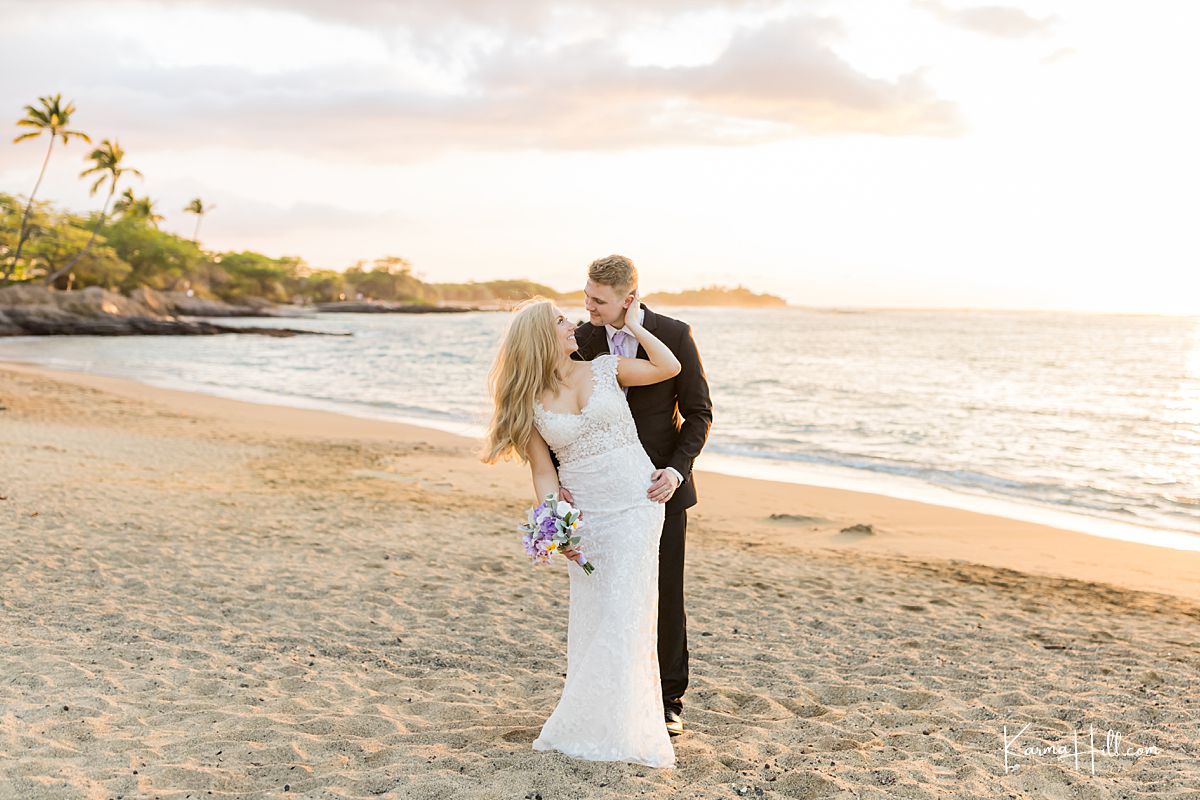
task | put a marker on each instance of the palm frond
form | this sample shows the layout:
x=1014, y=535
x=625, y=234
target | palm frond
x=66, y=136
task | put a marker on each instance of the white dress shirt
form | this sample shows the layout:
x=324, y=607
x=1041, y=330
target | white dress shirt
x=631, y=346
x=629, y=350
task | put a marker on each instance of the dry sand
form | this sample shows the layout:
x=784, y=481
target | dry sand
x=207, y=598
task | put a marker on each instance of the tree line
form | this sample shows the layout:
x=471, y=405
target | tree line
x=120, y=246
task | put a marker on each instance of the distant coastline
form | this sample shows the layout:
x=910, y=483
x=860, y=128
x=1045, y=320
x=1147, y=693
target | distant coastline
x=739, y=297
x=118, y=273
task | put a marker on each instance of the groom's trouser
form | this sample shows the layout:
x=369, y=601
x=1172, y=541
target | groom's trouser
x=672, y=622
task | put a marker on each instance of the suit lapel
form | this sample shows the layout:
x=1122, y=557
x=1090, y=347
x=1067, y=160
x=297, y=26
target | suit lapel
x=598, y=341
x=650, y=323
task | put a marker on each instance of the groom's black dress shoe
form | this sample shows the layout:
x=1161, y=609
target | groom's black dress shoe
x=674, y=721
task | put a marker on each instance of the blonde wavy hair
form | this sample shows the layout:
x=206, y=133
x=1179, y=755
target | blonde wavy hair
x=524, y=367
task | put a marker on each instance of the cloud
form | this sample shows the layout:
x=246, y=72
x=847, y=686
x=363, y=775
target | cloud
x=494, y=14
x=332, y=233
x=1001, y=21
x=779, y=80
x=240, y=218
x=1061, y=54
x=434, y=20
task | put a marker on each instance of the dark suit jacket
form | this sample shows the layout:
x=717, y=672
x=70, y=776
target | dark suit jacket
x=670, y=441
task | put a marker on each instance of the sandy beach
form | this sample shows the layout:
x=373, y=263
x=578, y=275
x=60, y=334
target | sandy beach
x=209, y=598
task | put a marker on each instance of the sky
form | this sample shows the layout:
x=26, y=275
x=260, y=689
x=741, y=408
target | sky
x=857, y=153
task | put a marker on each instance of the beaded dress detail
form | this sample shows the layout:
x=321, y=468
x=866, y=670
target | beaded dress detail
x=611, y=708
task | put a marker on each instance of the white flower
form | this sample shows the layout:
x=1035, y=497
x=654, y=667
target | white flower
x=563, y=508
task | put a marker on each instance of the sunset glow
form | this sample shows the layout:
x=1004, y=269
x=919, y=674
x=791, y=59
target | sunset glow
x=920, y=154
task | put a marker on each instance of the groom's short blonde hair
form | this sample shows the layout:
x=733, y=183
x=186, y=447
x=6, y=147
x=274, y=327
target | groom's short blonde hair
x=615, y=271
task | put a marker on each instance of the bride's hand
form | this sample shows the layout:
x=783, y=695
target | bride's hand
x=631, y=313
x=571, y=553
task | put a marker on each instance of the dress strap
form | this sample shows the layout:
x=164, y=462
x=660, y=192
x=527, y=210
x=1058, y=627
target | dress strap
x=604, y=370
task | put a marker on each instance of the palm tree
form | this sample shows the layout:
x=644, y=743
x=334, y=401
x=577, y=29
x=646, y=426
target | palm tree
x=52, y=117
x=131, y=207
x=106, y=159
x=198, y=208
x=144, y=209
x=124, y=202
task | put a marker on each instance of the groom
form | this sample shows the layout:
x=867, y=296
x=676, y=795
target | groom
x=671, y=443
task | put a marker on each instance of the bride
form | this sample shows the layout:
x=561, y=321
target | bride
x=611, y=708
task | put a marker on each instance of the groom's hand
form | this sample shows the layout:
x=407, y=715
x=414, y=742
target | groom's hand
x=663, y=484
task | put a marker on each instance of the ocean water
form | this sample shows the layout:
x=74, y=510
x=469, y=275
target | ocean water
x=1086, y=421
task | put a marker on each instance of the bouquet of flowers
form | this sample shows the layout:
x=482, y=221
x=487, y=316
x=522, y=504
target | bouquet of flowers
x=549, y=529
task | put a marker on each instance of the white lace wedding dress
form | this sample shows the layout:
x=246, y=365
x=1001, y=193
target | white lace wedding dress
x=611, y=708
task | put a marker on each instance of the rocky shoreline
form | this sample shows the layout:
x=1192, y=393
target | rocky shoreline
x=180, y=304
x=41, y=311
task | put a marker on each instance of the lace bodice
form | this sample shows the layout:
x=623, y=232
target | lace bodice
x=604, y=424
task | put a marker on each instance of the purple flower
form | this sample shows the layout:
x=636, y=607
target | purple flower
x=555, y=524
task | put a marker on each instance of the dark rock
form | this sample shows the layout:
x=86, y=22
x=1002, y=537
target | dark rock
x=40, y=311
x=180, y=304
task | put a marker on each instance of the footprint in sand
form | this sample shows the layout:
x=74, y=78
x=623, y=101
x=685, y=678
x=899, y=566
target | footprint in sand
x=748, y=705
x=803, y=710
